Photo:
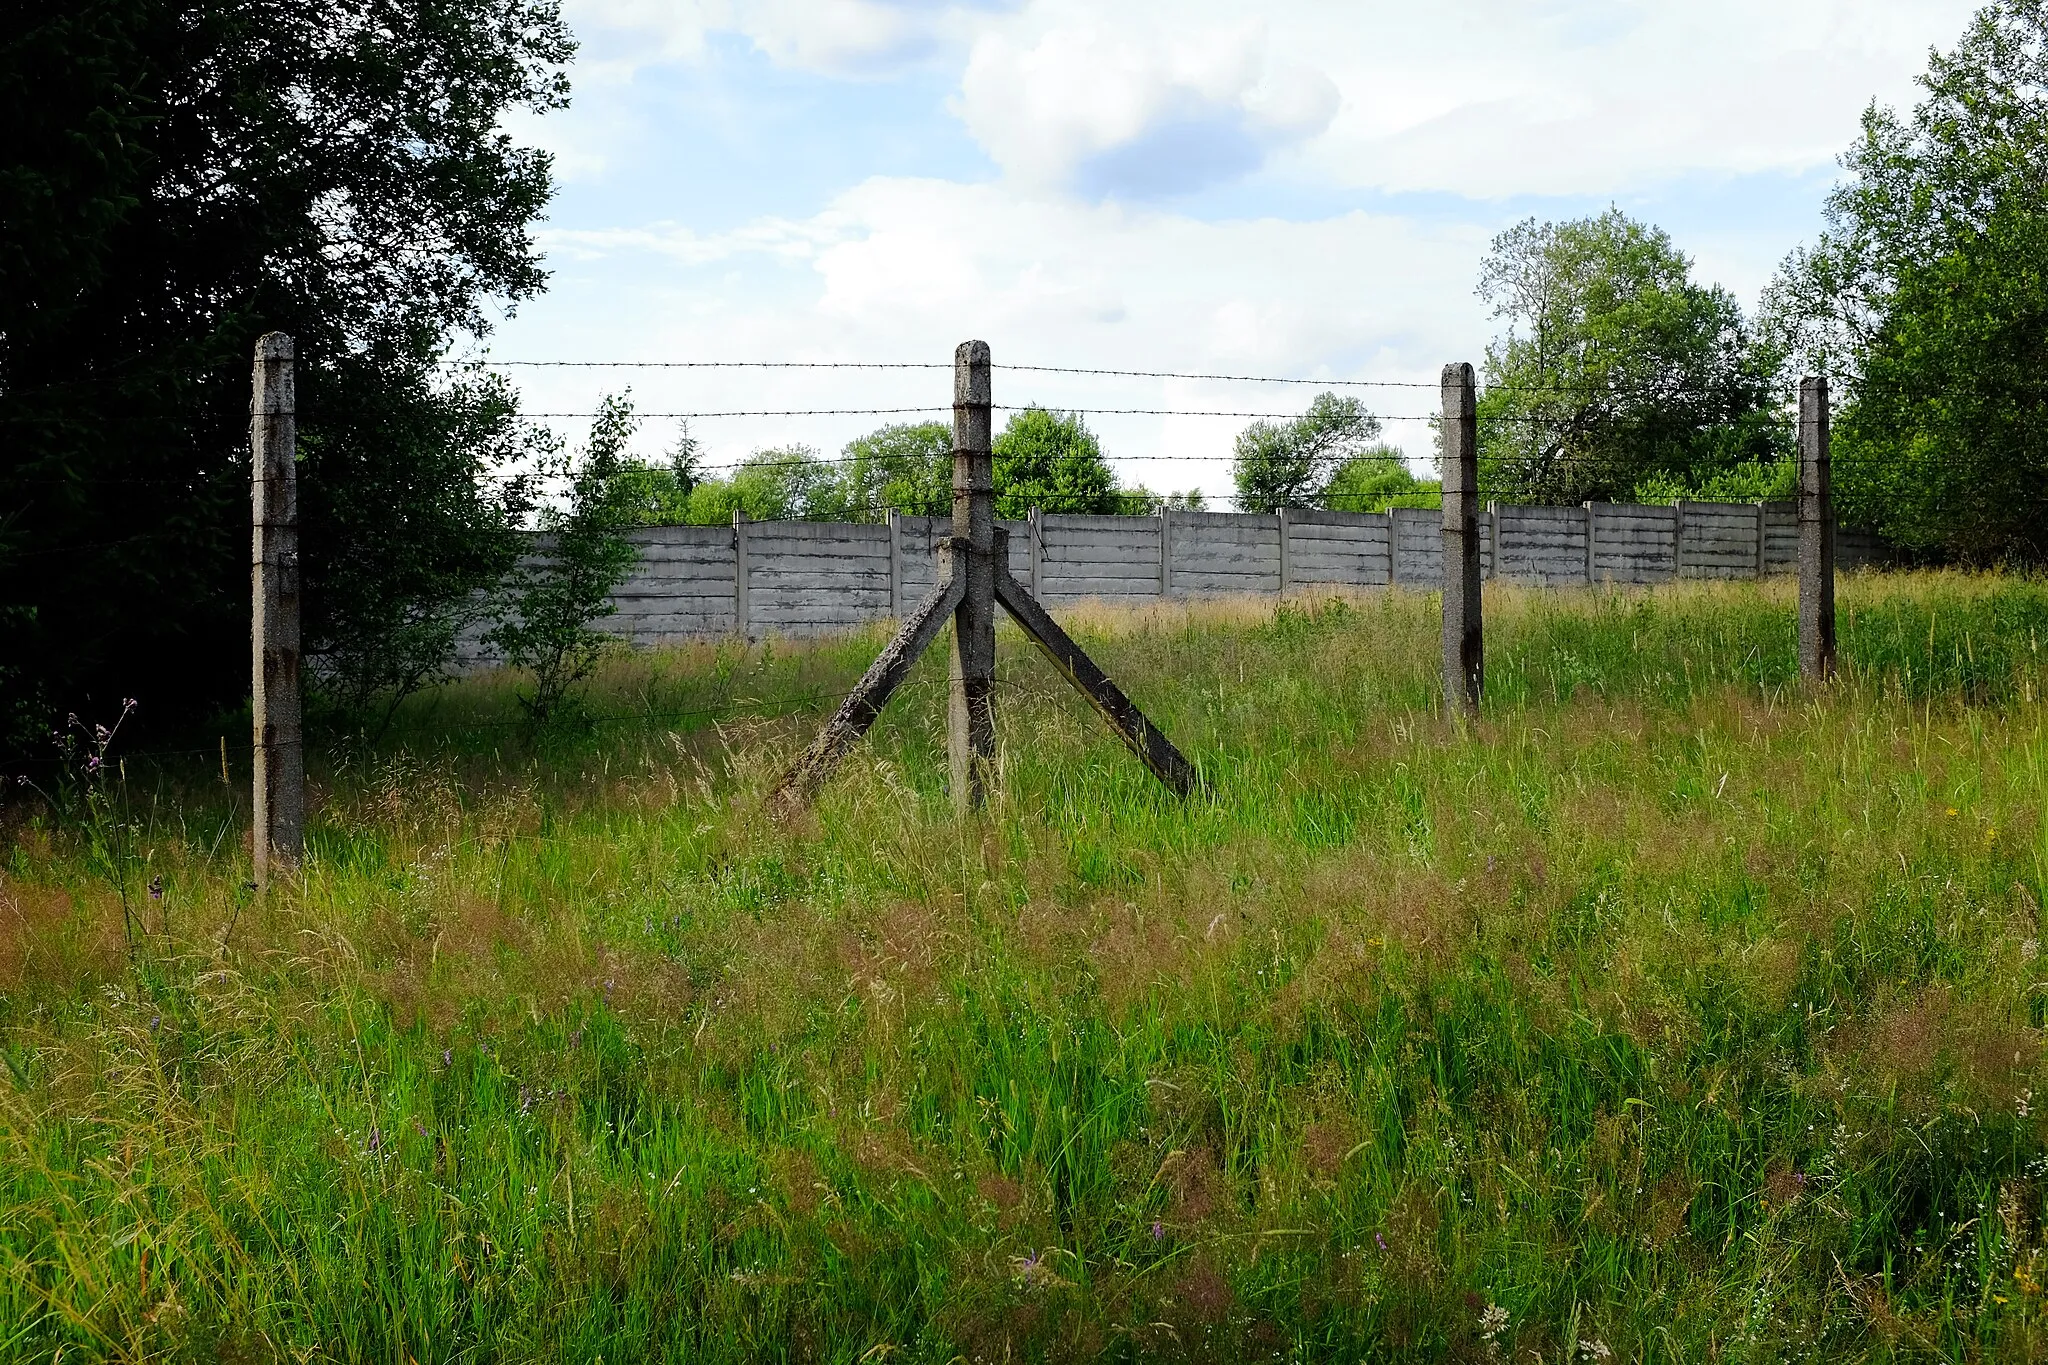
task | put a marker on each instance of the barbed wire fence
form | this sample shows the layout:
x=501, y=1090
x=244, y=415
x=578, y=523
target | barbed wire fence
x=1811, y=622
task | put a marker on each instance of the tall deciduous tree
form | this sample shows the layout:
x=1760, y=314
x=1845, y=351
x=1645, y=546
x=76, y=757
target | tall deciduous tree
x=1292, y=463
x=180, y=176
x=1615, y=367
x=1927, y=299
x=1052, y=461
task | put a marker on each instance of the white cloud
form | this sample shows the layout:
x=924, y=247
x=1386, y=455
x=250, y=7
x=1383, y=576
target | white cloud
x=1095, y=115
x=1602, y=96
x=904, y=269
x=1502, y=97
x=1109, y=105
x=837, y=37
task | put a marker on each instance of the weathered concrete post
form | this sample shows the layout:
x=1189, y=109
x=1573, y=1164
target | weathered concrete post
x=280, y=786
x=1464, y=652
x=1816, y=535
x=971, y=720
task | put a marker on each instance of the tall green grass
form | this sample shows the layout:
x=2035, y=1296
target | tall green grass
x=1671, y=1012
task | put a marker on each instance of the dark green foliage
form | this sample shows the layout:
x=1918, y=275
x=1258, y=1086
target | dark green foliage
x=417, y=462
x=907, y=468
x=552, y=599
x=1927, y=299
x=659, y=495
x=788, y=483
x=1050, y=460
x=1616, y=368
x=178, y=177
x=1293, y=464
x=1376, y=480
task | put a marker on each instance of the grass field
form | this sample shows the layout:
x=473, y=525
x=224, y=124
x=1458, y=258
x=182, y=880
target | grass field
x=1669, y=1014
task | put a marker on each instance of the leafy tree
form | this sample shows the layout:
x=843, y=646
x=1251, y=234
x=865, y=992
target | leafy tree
x=1924, y=298
x=785, y=483
x=553, y=599
x=1615, y=367
x=1754, y=481
x=659, y=495
x=382, y=626
x=178, y=177
x=1378, y=479
x=1290, y=464
x=1050, y=460
x=906, y=467
x=1143, y=502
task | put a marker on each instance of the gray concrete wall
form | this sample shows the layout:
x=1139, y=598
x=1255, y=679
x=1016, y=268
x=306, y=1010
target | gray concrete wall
x=813, y=578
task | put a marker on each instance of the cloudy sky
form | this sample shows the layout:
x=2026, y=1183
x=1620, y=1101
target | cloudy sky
x=1289, y=188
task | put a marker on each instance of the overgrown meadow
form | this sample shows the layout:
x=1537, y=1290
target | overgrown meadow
x=1670, y=1013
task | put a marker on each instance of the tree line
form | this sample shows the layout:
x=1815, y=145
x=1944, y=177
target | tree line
x=181, y=176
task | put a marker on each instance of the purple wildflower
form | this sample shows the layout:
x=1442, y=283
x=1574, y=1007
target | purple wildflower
x=1381, y=1240
x=447, y=1057
x=376, y=1140
x=156, y=887
x=1158, y=1231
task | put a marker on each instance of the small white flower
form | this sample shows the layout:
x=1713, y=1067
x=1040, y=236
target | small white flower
x=1594, y=1349
x=1493, y=1321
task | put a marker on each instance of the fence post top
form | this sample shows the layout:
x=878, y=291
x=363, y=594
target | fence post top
x=1458, y=372
x=971, y=382
x=275, y=346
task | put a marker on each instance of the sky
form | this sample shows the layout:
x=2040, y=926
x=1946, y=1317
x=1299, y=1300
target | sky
x=1289, y=189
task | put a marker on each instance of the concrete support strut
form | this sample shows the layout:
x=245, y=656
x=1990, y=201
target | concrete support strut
x=976, y=578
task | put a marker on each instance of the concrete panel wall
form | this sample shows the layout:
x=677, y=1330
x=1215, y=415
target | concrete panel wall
x=1545, y=546
x=1718, y=539
x=1634, y=544
x=1781, y=537
x=811, y=578
x=1114, y=558
x=1212, y=553
x=682, y=588
x=1338, y=549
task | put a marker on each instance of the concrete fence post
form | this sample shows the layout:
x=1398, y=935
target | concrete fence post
x=1816, y=535
x=742, y=622
x=1464, y=649
x=1286, y=557
x=1037, y=536
x=1165, y=552
x=895, y=565
x=971, y=723
x=280, y=770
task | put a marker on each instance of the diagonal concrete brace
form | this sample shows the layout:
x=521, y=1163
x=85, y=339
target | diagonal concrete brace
x=865, y=702
x=1143, y=738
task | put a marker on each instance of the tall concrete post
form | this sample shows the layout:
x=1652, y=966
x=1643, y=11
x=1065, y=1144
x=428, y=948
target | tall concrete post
x=971, y=718
x=1816, y=535
x=1464, y=645
x=280, y=785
